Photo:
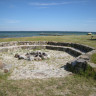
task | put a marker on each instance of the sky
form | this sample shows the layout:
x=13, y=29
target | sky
x=48, y=15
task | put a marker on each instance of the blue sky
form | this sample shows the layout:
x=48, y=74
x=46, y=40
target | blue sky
x=48, y=15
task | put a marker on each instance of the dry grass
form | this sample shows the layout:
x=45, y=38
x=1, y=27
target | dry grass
x=69, y=86
x=93, y=58
x=83, y=39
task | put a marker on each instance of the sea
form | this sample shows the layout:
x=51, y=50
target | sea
x=16, y=34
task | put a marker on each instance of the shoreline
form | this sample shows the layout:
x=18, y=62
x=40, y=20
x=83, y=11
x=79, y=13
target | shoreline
x=45, y=36
x=18, y=34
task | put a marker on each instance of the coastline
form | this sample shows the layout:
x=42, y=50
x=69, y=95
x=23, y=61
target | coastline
x=15, y=34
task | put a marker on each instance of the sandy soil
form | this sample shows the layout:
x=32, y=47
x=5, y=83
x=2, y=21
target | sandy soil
x=23, y=69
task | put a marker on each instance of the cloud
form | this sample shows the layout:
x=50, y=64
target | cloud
x=54, y=3
x=43, y=7
x=11, y=21
x=48, y=4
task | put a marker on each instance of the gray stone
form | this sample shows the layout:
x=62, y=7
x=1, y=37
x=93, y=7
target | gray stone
x=85, y=57
x=37, y=58
x=16, y=56
x=32, y=58
x=1, y=65
x=77, y=65
x=6, y=70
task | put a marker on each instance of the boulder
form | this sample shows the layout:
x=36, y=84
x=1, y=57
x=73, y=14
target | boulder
x=81, y=64
x=32, y=53
x=1, y=65
x=22, y=57
x=44, y=54
x=37, y=58
x=16, y=56
x=6, y=70
x=77, y=65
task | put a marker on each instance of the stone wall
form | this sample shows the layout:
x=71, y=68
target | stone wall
x=71, y=48
x=80, y=47
x=6, y=44
x=78, y=50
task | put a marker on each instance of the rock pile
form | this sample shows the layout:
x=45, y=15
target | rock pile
x=33, y=56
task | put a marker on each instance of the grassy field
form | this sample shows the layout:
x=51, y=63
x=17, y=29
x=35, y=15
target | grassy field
x=72, y=85
x=69, y=86
x=82, y=39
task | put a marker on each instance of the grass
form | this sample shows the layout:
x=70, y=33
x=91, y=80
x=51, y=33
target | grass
x=69, y=86
x=73, y=85
x=93, y=58
x=82, y=39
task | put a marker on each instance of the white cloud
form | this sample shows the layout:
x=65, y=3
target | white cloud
x=47, y=4
x=11, y=21
x=54, y=3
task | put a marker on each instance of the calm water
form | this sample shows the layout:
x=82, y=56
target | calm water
x=12, y=34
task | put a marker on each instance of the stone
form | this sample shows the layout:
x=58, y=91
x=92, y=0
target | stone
x=6, y=70
x=37, y=58
x=21, y=57
x=1, y=65
x=77, y=65
x=32, y=53
x=84, y=57
x=44, y=57
x=48, y=56
x=27, y=54
x=81, y=64
x=44, y=54
x=31, y=58
x=16, y=55
x=27, y=57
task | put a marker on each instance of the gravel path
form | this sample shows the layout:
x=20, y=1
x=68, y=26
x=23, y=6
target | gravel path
x=23, y=69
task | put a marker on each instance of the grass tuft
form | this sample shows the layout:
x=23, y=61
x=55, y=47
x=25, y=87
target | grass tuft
x=93, y=58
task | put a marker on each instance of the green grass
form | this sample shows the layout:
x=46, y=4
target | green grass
x=82, y=39
x=73, y=85
x=93, y=58
x=4, y=76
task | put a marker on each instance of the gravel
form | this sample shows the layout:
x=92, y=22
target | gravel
x=23, y=69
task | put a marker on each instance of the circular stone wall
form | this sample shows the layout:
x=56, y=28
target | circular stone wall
x=60, y=53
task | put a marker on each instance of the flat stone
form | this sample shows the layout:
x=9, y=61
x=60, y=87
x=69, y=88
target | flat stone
x=85, y=57
x=80, y=61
